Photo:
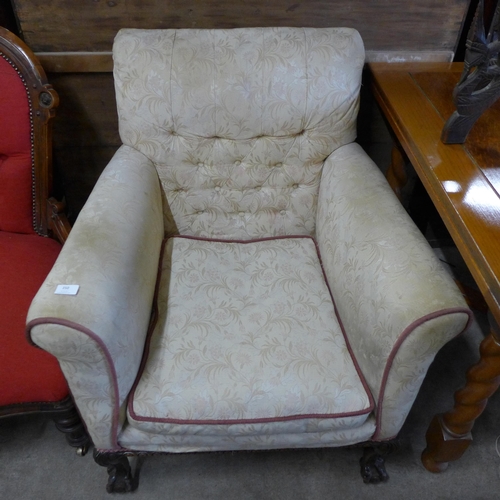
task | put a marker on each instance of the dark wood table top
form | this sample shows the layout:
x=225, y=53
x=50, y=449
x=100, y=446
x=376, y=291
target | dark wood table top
x=463, y=180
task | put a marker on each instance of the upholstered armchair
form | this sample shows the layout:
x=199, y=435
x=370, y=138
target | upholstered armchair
x=243, y=276
x=32, y=229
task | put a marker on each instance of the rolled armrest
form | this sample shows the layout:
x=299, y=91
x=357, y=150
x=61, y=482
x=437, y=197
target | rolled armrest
x=112, y=254
x=397, y=303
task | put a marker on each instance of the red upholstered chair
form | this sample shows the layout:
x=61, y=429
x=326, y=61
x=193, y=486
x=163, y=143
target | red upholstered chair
x=31, y=234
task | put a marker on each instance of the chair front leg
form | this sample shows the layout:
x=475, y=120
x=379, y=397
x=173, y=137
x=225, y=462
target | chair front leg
x=68, y=421
x=120, y=476
x=373, y=461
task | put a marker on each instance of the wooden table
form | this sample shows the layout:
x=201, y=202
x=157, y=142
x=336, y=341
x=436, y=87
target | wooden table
x=463, y=182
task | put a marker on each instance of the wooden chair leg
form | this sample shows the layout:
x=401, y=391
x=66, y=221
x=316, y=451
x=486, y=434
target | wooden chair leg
x=373, y=461
x=449, y=435
x=68, y=421
x=396, y=173
x=120, y=476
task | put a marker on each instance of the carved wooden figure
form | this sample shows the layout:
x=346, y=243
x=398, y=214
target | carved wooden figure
x=479, y=85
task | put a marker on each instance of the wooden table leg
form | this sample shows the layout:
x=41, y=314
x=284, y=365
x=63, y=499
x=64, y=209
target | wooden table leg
x=449, y=434
x=396, y=173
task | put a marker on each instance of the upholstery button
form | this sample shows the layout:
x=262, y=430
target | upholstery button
x=200, y=212
x=278, y=165
x=283, y=212
x=217, y=188
x=295, y=186
x=237, y=163
x=242, y=214
x=200, y=164
x=258, y=188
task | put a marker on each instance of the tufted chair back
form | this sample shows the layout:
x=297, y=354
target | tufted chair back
x=16, y=203
x=27, y=105
x=238, y=122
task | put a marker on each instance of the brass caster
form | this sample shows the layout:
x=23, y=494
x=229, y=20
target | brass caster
x=81, y=451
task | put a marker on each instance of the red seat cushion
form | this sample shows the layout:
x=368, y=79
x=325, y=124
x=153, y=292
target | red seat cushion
x=16, y=211
x=27, y=374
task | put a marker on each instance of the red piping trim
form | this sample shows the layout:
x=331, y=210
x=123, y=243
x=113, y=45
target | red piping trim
x=346, y=338
x=107, y=355
x=249, y=420
x=254, y=420
x=406, y=333
x=257, y=240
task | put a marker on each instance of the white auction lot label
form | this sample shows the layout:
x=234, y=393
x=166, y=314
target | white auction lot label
x=67, y=289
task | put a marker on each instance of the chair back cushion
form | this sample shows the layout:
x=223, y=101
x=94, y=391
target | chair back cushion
x=238, y=122
x=16, y=197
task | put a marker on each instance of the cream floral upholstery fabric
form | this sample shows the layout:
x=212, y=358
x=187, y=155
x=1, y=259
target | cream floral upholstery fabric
x=238, y=122
x=246, y=338
x=112, y=253
x=241, y=142
x=303, y=433
x=398, y=304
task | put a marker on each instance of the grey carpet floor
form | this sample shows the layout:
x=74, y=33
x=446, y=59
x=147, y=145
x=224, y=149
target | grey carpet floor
x=36, y=462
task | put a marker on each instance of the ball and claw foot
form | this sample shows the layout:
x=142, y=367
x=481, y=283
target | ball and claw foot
x=373, y=467
x=120, y=476
x=119, y=480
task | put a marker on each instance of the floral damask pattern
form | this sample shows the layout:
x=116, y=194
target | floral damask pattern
x=246, y=334
x=305, y=433
x=239, y=135
x=398, y=304
x=238, y=122
x=112, y=254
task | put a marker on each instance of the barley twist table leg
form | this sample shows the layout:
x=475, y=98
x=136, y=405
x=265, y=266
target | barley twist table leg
x=449, y=434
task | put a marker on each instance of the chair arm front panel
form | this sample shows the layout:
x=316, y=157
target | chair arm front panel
x=397, y=303
x=89, y=368
x=112, y=253
x=408, y=363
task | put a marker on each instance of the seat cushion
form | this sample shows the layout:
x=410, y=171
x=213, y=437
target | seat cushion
x=27, y=374
x=246, y=341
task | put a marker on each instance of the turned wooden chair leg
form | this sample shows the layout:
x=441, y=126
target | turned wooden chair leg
x=449, y=435
x=396, y=173
x=68, y=421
